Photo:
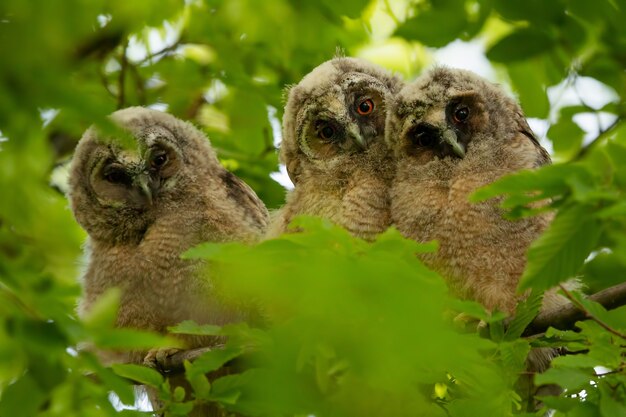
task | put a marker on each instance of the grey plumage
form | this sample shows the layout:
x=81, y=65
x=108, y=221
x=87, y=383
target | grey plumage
x=453, y=132
x=144, y=202
x=333, y=146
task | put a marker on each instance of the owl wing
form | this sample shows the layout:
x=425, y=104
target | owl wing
x=241, y=193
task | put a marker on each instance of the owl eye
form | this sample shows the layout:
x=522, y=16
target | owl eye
x=461, y=114
x=158, y=160
x=327, y=132
x=424, y=135
x=365, y=107
x=116, y=176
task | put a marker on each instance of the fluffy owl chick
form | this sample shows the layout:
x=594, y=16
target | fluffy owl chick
x=144, y=201
x=334, y=149
x=453, y=132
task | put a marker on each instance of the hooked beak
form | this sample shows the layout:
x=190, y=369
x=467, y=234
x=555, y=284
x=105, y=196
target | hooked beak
x=144, y=182
x=449, y=136
x=358, y=138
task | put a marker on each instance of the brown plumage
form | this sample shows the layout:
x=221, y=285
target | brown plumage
x=333, y=147
x=453, y=132
x=143, y=204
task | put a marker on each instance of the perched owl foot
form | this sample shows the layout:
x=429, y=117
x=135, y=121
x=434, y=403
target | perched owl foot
x=160, y=359
x=469, y=323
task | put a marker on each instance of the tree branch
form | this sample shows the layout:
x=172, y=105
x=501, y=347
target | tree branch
x=564, y=317
x=176, y=362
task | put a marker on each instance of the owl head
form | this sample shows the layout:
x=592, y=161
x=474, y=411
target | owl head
x=337, y=111
x=447, y=113
x=119, y=185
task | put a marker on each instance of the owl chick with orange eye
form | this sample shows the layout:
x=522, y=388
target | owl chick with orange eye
x=334, y=149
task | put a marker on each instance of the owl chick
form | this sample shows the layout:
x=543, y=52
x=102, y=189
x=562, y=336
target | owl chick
x=453, y=132
x=143, y=202
x=334, y=149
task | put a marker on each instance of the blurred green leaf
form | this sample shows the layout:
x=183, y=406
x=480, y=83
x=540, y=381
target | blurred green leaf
x=566, y=135
x=435, y=26
x=522, y=44
x=191, y=327
x=139, y=373
x=124, y=338
x=560, y=252
x=568, y=378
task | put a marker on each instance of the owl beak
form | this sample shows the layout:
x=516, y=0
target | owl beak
x=358, y=138
x=143, y=182
x=450, y=137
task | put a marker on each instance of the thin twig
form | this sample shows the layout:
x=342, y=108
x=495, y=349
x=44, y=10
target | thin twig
x=176, y=362
x=589, y=314
x=104, y=80
x=603, y=133
x=163, y=51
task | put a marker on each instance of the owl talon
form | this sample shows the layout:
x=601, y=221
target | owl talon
x=160, y=358
x=469, y=323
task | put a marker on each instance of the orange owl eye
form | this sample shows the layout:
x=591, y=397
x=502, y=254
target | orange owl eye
x=461, y=114
x=365, y=107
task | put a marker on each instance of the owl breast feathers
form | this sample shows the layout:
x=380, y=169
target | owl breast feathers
x=453, y=132
x=145, y=196
x=333, y=146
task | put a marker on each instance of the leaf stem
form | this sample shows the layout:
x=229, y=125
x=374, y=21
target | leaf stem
x=588, y=314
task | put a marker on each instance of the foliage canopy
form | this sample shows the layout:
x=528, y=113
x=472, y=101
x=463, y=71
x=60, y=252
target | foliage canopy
x=357, y=329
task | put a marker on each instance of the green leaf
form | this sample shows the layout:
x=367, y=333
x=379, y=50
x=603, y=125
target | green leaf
x=138, y=373
x=525, y=312
x=198, y=380
x=612, y=401
x=213, y=360
x=180, y=409
x=566, y=136
x=560, y=252
x=125, y=338
x=227, y=389
x=191, y=327
x=534, y=10
x=179, y=394
x=568, y=378
x=22, y=398
x=522, y=187
x=514, y=354
x=575, y=361
x=531, y=84
x=522, y=44
x=436, y=26
x=103, y=312
x=350, y=8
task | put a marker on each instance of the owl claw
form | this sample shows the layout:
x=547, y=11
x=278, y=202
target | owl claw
x=467, y=322
x=160, y=358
